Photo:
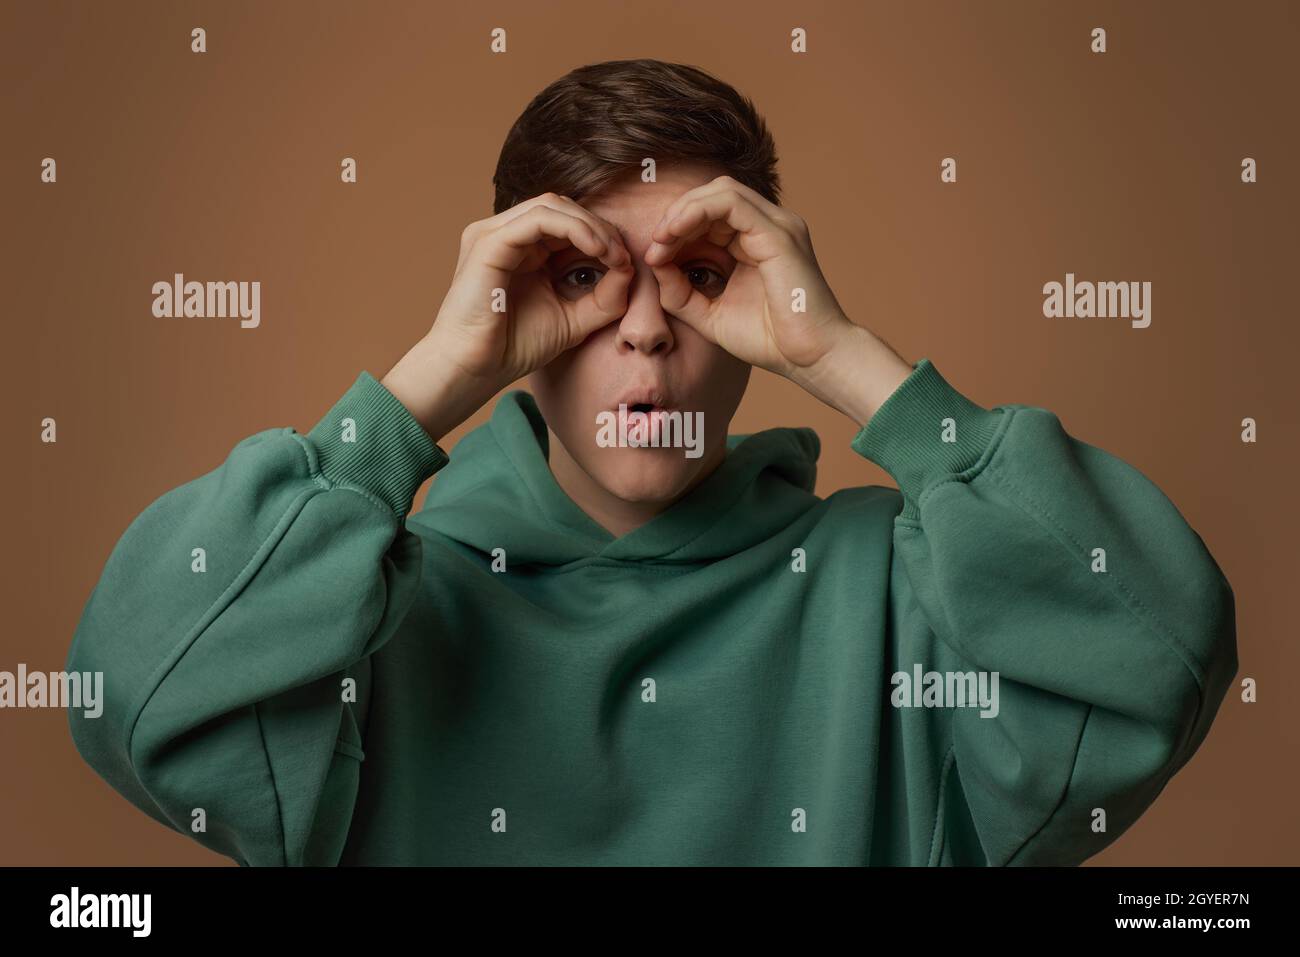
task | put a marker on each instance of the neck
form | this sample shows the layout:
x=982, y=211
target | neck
x=618, y=516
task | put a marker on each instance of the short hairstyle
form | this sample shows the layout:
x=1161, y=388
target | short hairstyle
x=600, y=121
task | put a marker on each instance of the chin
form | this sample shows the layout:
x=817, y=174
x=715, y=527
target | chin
x=645, y=475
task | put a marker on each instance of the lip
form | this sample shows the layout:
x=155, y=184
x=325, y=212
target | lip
x=650, y=395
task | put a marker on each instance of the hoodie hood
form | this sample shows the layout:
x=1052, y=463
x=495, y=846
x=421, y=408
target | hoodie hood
x=497, y=491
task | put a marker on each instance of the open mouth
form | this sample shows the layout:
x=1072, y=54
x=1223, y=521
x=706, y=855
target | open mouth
x=648, y=416
x=643, y=421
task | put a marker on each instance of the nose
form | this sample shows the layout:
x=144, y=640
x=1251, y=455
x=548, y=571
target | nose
x=644, y=327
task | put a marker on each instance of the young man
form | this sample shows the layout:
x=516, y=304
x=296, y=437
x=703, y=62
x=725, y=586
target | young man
x=587, y=651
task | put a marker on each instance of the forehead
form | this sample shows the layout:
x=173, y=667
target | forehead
x=634, y=205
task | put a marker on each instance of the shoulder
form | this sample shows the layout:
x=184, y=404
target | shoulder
x=864, y=503
x=852, y=513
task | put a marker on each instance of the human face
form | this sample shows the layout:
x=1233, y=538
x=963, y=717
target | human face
x=646, y=356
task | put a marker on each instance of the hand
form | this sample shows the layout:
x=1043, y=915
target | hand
x=508, y=251
x=472, y=352
x=820, y=349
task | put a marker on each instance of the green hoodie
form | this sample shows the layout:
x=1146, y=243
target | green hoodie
x=746, y=679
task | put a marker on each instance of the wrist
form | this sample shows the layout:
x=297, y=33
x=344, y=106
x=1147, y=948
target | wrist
x=434, y=390
x=856, y=375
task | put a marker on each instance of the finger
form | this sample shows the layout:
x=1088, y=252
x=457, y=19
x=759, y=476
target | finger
x=726, y=219
x=781, y=217
x=676, y=206
x=539, y=227
x=725, y=183
x=778, y=214
x=678, y=297
x=607, y=302
x=477, y=231
x=603, y=227
x=567, y=204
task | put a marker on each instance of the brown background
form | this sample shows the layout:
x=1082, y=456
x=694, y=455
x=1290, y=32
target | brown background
x=225, y=166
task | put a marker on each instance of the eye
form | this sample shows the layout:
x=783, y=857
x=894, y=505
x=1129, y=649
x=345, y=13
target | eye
x=706, y=279
x=579, y=281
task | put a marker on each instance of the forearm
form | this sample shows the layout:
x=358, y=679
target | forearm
x=857, y=375
x=436, y=393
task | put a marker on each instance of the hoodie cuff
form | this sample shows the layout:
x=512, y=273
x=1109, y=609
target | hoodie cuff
x=909, y=438
x=389, y=453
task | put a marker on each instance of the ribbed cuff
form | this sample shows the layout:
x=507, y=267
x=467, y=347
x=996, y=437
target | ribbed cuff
x=906, y=436
x=390, y=454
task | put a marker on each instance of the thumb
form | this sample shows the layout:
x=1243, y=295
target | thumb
x=681, y=299
x=607, y=302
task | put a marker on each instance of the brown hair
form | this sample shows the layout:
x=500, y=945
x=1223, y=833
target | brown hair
x=598, y=122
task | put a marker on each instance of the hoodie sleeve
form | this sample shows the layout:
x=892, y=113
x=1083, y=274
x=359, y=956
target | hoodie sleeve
x=1062, y=568
x=233, y=622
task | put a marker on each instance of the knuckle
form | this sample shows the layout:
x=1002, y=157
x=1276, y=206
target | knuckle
x=789, y=221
